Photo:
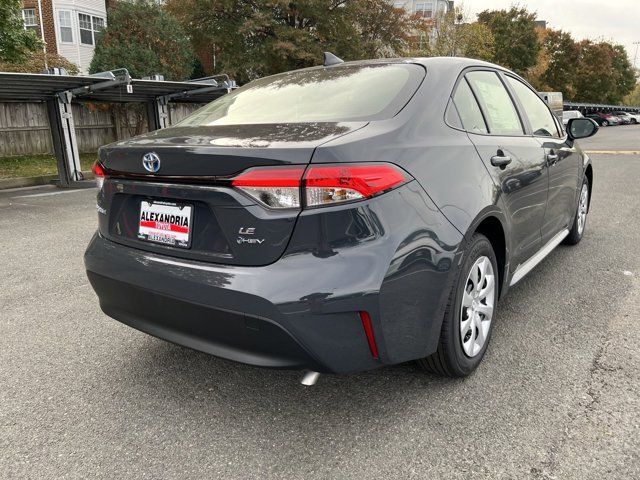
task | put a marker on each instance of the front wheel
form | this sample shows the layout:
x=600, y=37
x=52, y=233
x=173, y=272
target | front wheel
x=580, y=222
x=468, y=318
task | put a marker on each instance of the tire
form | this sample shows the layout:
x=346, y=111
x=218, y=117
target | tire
x=459, y=350
x=580, y=221
x=605, y=123
x=634, y=121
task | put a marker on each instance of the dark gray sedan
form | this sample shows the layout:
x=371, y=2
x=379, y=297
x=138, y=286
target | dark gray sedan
x=342, y=217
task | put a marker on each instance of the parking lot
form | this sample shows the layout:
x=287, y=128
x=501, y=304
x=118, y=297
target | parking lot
x=557, y=395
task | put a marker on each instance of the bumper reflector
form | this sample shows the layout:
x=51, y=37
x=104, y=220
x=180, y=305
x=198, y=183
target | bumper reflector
x=368, y=331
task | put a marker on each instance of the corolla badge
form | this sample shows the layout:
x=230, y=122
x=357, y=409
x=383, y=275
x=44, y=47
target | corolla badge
x=151, y=162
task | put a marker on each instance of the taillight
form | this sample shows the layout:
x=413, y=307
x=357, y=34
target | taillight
x=282, y=187
x=329, y=184
x=98, y=174
x=275, y=187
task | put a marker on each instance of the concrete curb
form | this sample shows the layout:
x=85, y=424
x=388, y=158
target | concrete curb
x=19, y=182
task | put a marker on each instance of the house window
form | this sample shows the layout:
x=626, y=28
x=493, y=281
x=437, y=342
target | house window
x=30, y=21
x=425, y=9
x=98, y=24
x=89, y=27
x=65, y=25
x=86, y=30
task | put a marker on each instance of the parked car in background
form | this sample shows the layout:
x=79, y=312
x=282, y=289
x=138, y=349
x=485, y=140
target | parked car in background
x=629, y=118
x=622, y=120
x=569, y=114
x=603, y=119
x=287, y=224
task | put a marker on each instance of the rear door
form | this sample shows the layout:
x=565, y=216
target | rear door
x=563, y=160
x=514, y=159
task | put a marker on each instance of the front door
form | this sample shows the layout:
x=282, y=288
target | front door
x=564, y=162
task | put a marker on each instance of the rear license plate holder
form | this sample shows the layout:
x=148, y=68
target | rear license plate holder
x=166, y=223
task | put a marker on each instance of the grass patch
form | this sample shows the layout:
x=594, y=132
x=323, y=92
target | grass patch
x=37, y=165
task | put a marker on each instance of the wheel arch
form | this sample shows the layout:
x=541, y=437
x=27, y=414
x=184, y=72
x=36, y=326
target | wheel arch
x=588, y=172
x=492, y=225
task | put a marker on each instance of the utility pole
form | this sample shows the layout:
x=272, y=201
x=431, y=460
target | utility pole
x=635, y=57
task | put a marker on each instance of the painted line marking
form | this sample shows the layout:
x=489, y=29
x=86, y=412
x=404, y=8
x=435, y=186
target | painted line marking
x=48, y=194
x=613, y=152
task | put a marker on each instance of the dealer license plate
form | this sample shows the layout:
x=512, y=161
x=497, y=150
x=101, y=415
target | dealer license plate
x=165, y=222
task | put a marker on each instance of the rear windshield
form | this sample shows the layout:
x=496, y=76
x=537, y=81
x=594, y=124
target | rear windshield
x=335, y=94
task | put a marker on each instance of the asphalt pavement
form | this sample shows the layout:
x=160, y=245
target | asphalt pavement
x=557, y=396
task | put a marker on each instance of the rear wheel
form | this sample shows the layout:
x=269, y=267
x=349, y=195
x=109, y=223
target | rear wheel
x=580, y=222
x=468, y=319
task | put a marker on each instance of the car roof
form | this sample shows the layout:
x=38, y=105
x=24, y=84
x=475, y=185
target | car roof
x=429, y=62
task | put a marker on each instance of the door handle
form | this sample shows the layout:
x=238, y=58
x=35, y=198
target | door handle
x=552, y=158
x=501, y=160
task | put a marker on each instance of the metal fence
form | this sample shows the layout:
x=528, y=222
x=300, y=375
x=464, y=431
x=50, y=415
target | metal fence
x=25, y=129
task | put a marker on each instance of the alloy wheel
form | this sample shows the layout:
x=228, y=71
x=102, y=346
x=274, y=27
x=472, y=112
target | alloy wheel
x=477, y=306
x=583, y=207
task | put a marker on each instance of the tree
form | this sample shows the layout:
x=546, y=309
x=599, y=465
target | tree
x=142, y=37
x=516, y=43
x=380, y=29
x=624, y=74
x=604, y=73
x=633, y=99
x=16, y=43
x=34, y=62
x=562, y=54
x=251, y=38
x=450, y=37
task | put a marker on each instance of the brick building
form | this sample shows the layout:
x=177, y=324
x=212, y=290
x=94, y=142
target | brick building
x=68, y=27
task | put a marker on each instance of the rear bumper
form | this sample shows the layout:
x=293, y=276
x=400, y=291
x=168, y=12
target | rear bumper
x=230, y=312
x=301, y=311
x=228, y=334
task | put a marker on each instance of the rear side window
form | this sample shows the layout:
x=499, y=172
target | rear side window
x=496, y=103
x=335, y=94
x=468, y=109
x=540, y=117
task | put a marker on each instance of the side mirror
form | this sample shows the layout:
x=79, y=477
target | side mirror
x=581, y=128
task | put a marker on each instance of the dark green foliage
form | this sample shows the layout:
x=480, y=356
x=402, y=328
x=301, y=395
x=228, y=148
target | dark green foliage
x=16, y=43
x=516, y=43
x=142, y=37
x=604, y=73
x=251, y=39
x=563, y=57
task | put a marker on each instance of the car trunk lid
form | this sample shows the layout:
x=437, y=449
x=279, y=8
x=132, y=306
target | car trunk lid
x=214, y=222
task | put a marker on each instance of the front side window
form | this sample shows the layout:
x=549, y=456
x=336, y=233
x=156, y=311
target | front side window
x=468, y=109
x=30, y=20
x=540, y=117
x=495, y=102
x=336, y=94
x=65, y=25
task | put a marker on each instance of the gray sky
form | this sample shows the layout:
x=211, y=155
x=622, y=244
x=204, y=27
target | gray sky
x=613, y=20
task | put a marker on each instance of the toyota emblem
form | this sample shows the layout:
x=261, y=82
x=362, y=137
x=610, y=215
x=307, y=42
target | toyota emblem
x=151, y=162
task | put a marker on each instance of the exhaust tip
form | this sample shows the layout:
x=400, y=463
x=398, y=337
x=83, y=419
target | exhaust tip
x=309, y=378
